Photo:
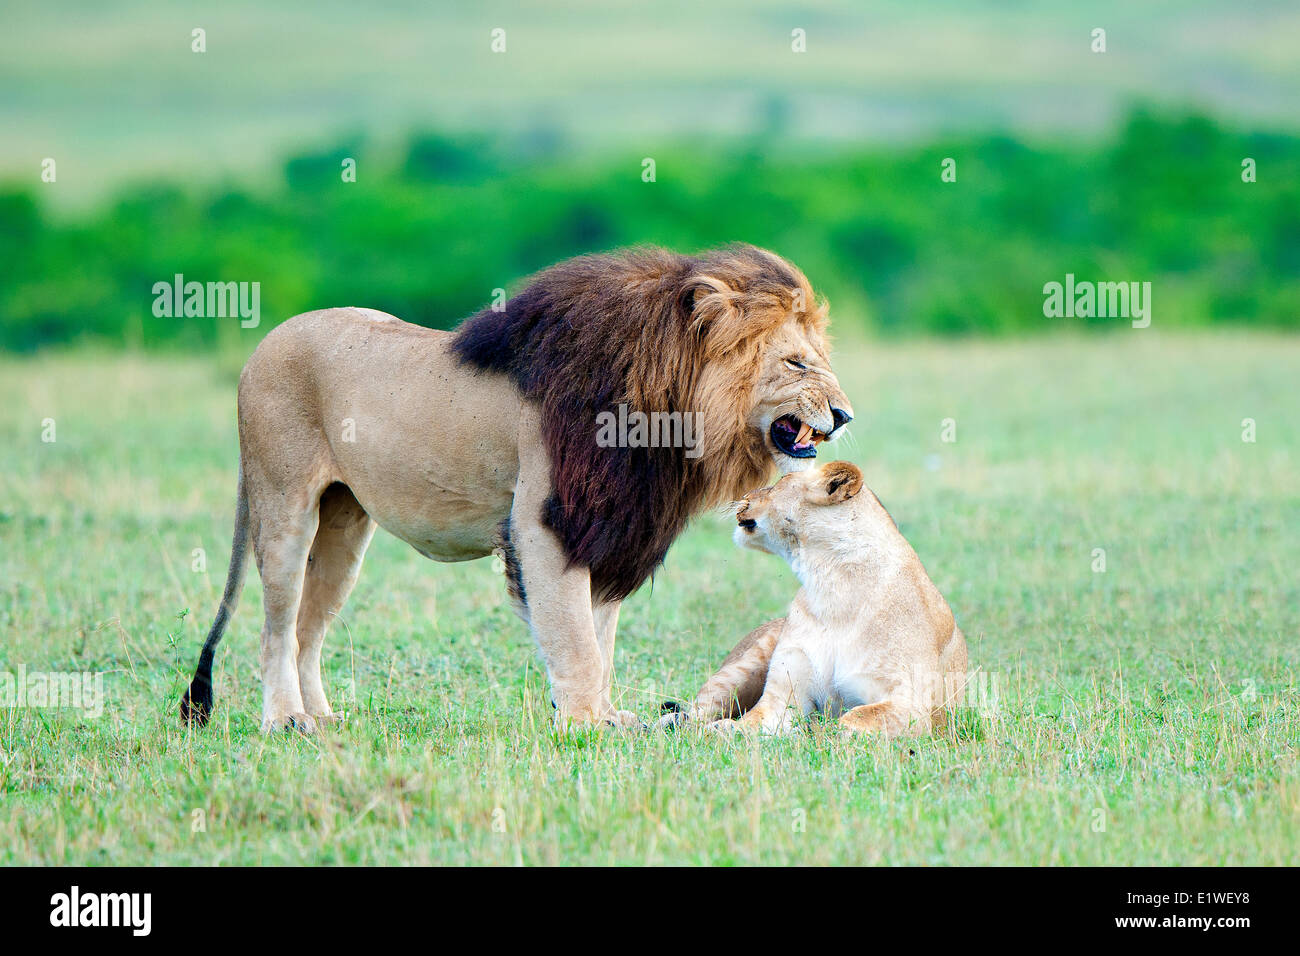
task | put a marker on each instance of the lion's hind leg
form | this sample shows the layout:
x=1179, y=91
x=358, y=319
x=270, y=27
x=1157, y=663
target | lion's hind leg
x=285, y=527
x=738, y=684
x=333, y=564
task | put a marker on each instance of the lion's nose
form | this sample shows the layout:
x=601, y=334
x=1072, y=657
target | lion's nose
x=840, y=417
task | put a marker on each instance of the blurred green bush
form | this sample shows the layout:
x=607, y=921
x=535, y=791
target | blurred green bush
x=429, y=234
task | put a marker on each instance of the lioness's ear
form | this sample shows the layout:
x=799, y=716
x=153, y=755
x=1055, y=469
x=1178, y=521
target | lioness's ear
x=839, y=481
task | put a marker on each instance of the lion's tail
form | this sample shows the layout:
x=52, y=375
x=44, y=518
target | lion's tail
x=197, y=702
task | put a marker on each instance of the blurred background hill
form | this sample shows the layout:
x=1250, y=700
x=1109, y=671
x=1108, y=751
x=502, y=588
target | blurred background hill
x=475, y=168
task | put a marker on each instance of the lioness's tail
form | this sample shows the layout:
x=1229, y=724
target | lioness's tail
x=196, y=704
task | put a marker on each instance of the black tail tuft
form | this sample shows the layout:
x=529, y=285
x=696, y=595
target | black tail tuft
x=671, y=707
x=197, y=702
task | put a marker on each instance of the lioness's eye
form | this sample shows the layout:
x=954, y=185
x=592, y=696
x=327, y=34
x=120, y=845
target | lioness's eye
x=794, y=363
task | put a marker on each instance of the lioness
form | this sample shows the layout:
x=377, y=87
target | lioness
x=484, y=438
x=869, y=637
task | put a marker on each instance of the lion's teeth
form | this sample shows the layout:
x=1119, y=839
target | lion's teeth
x=804, y=431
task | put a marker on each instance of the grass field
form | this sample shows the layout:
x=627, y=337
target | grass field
x=1147, y=714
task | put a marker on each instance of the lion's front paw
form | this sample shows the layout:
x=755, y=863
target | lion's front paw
x=624, y=720
x=616, y=720
x=300, y=723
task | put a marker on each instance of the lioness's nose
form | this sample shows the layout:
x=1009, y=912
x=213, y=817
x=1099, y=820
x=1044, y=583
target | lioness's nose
x=840, y=417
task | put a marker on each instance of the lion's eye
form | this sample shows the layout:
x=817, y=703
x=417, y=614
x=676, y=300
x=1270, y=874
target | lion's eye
x=795, y=363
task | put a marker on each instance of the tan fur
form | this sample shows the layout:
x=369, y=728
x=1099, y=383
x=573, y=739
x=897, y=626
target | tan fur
x=868, y=637
x=738, y=683
x=351, y=419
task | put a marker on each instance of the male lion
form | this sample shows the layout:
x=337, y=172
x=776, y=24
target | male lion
x=868, y=638
x=463, y=442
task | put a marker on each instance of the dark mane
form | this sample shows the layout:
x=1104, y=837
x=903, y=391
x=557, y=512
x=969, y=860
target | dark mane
x=597, y=331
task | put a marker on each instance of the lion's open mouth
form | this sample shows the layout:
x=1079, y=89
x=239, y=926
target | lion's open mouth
x=795, y=438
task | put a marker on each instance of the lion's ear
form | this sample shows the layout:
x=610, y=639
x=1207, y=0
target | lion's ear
x=713, y=310
x=838, y=481
x=686, y=298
